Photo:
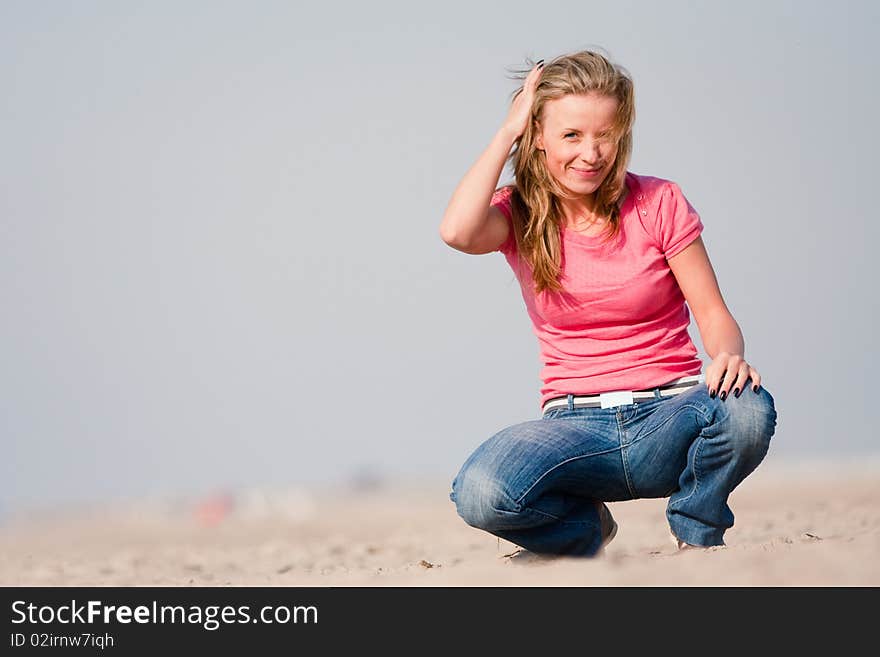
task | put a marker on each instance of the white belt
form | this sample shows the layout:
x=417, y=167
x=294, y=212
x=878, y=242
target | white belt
x=623, y=397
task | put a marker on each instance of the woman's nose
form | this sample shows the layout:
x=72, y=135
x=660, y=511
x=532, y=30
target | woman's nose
x=590, y=152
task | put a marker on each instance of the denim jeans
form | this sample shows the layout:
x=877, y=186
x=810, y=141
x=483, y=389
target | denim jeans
x=537, y=483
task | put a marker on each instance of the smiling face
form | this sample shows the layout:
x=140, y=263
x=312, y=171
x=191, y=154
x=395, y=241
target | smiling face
x=576, y=135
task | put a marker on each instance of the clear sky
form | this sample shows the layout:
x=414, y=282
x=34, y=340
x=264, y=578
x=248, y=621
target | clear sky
x=219, y=253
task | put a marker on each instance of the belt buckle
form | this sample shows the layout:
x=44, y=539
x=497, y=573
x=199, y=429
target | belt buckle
x=616, y=398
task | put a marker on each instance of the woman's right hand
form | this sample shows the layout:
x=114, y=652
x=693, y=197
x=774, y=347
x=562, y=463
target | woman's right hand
x=521, y=107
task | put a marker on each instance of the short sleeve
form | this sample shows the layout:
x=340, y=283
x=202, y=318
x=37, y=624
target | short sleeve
x=501, y=200
x=678, y=224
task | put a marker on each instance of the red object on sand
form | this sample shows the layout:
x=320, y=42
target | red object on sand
x=213, y=510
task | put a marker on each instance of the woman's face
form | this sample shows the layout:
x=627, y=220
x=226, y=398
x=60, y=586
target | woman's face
x=575, y=135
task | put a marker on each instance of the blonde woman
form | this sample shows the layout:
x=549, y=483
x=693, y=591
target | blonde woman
x=606, y=260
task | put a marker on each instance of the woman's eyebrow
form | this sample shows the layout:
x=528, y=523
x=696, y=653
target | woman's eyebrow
x=608, y=129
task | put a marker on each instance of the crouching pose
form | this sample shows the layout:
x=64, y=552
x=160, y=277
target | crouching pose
x=606, y=260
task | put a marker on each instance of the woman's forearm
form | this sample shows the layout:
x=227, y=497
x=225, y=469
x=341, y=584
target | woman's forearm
x=722, y=334
x=468, y=209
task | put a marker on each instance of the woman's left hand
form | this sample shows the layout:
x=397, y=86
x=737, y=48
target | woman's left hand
x=729, y=372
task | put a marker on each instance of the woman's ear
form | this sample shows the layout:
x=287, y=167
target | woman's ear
x=539, y=137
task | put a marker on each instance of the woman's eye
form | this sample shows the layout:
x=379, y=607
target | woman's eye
x=570, y=134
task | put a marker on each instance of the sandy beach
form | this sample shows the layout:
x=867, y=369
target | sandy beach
x=795, y=526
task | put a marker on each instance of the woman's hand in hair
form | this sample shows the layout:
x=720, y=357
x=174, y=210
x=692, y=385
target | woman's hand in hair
x=521, y=107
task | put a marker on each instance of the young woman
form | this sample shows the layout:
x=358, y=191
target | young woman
x=606, y=260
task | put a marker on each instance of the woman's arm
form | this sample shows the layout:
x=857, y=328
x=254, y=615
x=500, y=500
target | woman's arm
x=721, y=335
x=467, y=224
x=466, y=218
x=696, y=278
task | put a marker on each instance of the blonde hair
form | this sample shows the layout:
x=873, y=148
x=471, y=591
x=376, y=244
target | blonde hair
x=535, y=198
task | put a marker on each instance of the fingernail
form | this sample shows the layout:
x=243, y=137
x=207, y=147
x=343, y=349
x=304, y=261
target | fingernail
x=723, y=395
x=712, y=394
x=736, y=392
x=540, y=62
x=755, y=388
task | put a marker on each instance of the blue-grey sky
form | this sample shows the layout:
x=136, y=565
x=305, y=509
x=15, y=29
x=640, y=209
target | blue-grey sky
x=219, y=252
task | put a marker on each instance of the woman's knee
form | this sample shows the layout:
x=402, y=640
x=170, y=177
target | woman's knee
x=480, y=499
x=752, y=418
x=483, y=489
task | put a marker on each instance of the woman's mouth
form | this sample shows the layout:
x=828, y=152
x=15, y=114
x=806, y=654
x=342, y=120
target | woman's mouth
x=586, y=173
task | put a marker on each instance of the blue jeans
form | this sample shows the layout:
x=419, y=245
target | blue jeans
x=537, y=483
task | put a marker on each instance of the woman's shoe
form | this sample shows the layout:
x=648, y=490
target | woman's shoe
x=609, y=526
x=609, y=531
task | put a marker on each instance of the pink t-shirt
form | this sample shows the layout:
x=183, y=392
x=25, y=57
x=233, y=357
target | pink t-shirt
x=622, y=322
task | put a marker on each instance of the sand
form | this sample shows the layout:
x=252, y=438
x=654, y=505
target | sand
x=795, y=526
